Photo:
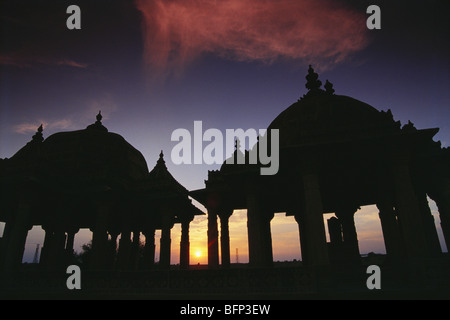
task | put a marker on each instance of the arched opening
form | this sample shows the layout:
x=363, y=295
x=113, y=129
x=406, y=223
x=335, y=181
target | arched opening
x=198, y=240
x=238, y=237
x=369, y=235
x=82, y=238
x=285, y=238
x=368, y=228
x=35, y=237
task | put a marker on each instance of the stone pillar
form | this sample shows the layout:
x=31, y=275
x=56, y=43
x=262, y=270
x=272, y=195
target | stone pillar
x=185, y=244
x=225, y=237
x=336, y=244
x=335, y=230
x=302, y=232
x=350, y=237
x=259, y=234
x=16, y=233
x=54, y=254
x=57, y=255
x=46, y=248
x=4, y=244
x=70, y=242
x=314, y=229
x=266, y=238
x=213, y=240
x=135, y=250
x=391, y=232
x=124, y=254
x=99, y=248
x=409, y=215
x=149, y=249
x=165, y=243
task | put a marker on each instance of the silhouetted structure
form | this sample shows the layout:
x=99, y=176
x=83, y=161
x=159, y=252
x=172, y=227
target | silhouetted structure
x=92, y=179
x=336, y=155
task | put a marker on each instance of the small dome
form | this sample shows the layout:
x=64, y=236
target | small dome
x=92, y=156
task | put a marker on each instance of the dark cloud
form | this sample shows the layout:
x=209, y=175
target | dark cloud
x=35, y=32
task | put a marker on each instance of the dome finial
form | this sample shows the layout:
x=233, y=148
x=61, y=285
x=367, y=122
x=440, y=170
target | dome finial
x=38, y=137
x=99, y=117
x=329, y=87
x=161, y=159
x=98, y=124
x=313, y=83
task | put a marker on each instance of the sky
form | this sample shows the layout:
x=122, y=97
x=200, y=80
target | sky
x=154, y=66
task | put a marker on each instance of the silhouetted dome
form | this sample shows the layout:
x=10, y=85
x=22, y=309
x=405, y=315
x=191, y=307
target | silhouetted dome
x=319, y=117
x=94, y=155
x=238, y=161
x=90, y=157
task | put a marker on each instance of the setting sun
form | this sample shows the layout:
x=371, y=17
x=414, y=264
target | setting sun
x=198, y=253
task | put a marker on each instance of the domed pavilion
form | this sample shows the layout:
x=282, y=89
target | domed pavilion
x=90, y=179
x=336, y=154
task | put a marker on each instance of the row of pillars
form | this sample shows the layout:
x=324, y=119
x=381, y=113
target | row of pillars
x=58, y=247
x=408, y=227
x=311, y=226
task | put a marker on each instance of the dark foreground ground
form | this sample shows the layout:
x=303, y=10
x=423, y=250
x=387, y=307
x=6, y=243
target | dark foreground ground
x=284, y=281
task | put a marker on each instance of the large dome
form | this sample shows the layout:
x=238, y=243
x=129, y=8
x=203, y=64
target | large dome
x=90, y=157
x=321, y=115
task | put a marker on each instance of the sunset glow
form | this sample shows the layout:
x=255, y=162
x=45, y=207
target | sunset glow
x=230, y=64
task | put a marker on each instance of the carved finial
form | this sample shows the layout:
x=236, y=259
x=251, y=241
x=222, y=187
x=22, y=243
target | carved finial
x=38, y=137
x=98, y=124
x=99, y=117
x=161, y=159
x=313, y=83
x=409, y=127
x=329, y=87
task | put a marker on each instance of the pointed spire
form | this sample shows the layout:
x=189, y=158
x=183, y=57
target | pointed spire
x=38, y=137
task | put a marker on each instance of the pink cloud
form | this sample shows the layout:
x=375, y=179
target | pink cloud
x=29, y=128
x=24, y=128
x=71, y=63
x=314, y=31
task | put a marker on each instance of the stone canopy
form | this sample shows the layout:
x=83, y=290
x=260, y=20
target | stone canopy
x=93, y=179
x=336, y=155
